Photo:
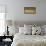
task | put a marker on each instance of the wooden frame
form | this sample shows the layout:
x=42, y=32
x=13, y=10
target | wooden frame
x=29, y=10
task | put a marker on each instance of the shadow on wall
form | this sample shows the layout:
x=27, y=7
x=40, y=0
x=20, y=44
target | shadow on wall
x=21, y=23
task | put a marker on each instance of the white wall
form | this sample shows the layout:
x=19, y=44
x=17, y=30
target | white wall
x=15, y=9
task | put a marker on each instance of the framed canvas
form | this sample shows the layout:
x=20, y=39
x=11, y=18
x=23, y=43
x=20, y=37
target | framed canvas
x=29, y=10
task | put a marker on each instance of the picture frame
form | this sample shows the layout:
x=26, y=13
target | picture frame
x=29, y=10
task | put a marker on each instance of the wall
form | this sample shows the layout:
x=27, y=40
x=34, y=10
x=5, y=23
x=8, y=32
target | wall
x=15, y=10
